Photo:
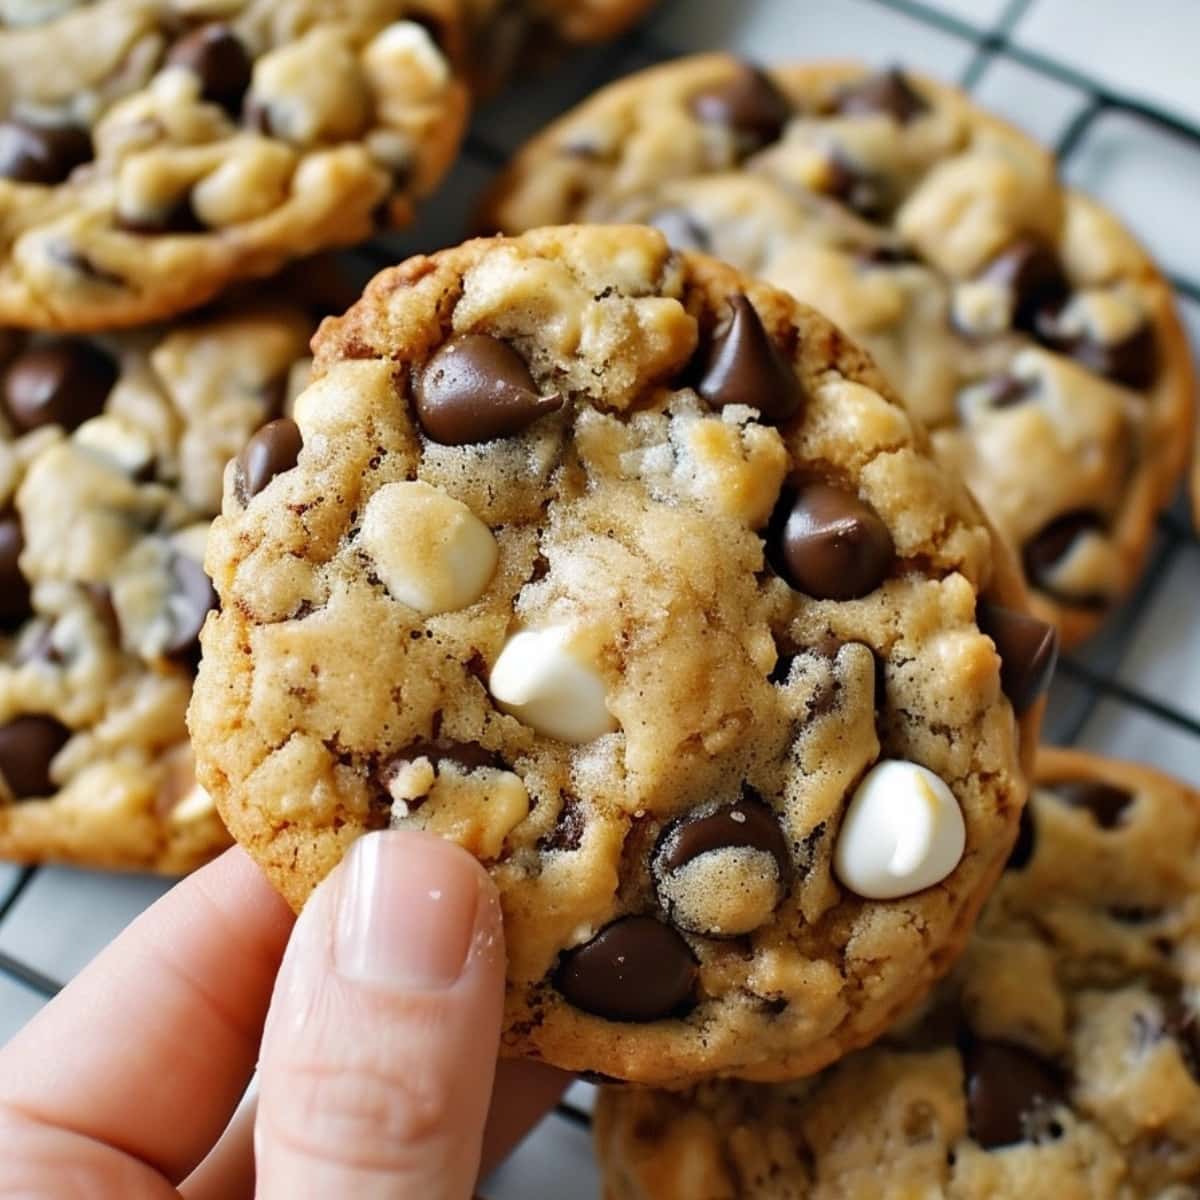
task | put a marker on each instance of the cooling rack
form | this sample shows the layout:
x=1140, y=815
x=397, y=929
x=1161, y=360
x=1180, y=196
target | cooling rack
x=1112, y=87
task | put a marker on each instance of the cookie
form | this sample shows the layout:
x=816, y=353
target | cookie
x=1017, y=318
x=506, y=34
x=151, y=154
x=632, y=577
x=112, y=451
x=1060, y=1061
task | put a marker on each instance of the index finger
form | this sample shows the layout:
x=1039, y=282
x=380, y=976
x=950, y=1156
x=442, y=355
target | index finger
x=149, y=1048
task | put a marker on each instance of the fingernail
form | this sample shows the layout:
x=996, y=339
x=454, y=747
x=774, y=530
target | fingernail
x=407, y=908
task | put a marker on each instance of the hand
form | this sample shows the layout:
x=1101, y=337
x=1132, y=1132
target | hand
x=382, y=1007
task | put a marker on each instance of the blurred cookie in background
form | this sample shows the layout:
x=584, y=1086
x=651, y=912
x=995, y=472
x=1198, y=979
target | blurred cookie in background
x=112, y=452
x=1018, y=319
x=150, y=155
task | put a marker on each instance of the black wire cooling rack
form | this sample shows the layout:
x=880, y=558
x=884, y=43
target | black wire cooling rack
x=1088, y=676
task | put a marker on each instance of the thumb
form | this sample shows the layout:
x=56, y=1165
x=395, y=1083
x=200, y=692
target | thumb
x=380, y=1046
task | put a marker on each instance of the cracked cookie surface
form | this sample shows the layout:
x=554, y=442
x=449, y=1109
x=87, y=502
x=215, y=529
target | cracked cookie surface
x=1017, y=318
x=1059, y=1061
x=112, y=450
x=627, y=574
x=153, y=151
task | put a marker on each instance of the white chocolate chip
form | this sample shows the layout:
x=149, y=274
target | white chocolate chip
x=983, y=308
x=1091, y=566
x=313, y=88
x=117, y=441
x=251, y=182
x=430, y=550
x=903, y=832
x=541, y=681
x=405, y=49
x=195, y=805
x=1104, y=316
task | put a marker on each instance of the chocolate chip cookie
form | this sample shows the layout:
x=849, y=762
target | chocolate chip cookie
x=151, y=152
x=1060, y=1061
x=632, y=577
x=1018, y=319
x=111, y=455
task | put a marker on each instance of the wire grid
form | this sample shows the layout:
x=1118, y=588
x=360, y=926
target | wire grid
x=1091, y=670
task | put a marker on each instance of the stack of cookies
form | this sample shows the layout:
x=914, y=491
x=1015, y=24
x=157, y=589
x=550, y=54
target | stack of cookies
x=716, y=628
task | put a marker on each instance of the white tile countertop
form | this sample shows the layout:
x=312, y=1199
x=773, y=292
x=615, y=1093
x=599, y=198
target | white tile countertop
x=1118, y=82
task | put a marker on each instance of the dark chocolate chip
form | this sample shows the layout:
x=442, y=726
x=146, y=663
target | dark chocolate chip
x=274, y=449
x=881, y=673
x=1026, y=842
x=477, y=388
x=748, y=823
x=1028, y=650
x=1006, y=1085
x=1104, y=801
x=1132, y=361
x=16, y=604
x=1134, y=914
x=192, y=598
x=749, y=104
x=1051, y=544
x=27, y=748
x=782, y=669
x=62, y=381
x=1031, y=271
x=636, y=969
x=467, y=756
x=11, y=340
x=44, y=154
x=856, y=188
x=180, y=217
x=887, y=92
x=744, y=366
x=568, y=830
x=219, y=57
x=828, y=543
x=681, y=229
